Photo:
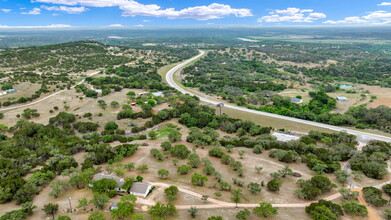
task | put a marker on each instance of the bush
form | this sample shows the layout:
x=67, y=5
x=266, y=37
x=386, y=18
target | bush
x=353, y=208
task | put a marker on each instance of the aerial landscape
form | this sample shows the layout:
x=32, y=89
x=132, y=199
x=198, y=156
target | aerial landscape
x=208, y=110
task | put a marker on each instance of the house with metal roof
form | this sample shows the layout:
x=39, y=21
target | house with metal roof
x=140, y=189
x=120, y=181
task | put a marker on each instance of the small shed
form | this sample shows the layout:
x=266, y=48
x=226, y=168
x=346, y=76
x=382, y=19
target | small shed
x=3, y=92
x=297, y=100
x=160, y=94
x=114, y=206
x=9, y=91
x=342, y=98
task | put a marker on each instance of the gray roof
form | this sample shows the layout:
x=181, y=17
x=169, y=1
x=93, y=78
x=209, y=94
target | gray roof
x=138, y=187
x=100, y=176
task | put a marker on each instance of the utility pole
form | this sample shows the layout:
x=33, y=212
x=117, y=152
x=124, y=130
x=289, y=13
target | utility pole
x=70, y=205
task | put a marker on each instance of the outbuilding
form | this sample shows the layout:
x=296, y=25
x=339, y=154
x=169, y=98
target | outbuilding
x=342, y=98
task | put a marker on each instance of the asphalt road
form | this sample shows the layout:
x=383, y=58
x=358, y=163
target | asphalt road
x=362, y=136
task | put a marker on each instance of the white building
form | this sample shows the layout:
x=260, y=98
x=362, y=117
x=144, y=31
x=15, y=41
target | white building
x=342, y=98
x=140, y=189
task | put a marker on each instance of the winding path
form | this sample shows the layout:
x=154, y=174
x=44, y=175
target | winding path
x=364, y=136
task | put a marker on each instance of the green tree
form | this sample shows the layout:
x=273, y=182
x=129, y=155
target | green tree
x=97, y=216
x=138, y=216
x=58, y=187
x=241, y=153
x=198, y=179
x=114, y=104
x=111, y=126
x=83, y=203
x=50, y=209
x=204, y=198
x=215, y=218
x=254, y=187
x=166, y=146
x=125, y=210
x=184, y=169
x=274, y=185
x=243, y=214
x=28, y=207
x=161, y=210
x=236, y=195
x=174, y=136
x=129, y=166
x=353, y=208
x=64, y=217
x=100, y=200
x=102, y=104
x=265, y=210
x=142, y=168
x=193, y=211
x=194, y=160
x=180, y=151
x=152, y=135
x=342, y=176
x=171, y=192
x=387, y=213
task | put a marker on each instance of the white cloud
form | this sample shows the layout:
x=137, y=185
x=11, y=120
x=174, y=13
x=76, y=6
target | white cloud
x=347, y=20
x=384, y=4
x=294, y=15
x=5, y=10
x=375, y=17
x=45, y=26
x=69, y=10
x=115, y=25
x=139, y=25
x=34, y=11
x=133, y=8
x=146, y=21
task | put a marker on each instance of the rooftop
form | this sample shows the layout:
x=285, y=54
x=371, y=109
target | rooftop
x=141, y=188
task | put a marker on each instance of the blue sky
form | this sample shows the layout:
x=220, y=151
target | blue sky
x=138, y=13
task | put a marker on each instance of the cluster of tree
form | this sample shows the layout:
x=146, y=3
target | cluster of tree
x=31, y=145
x=314, y=187
x=327, y=210
x=374, y=196
x=232, y=78
x=376, y=118
x=69, y=57
x=227, y=159
x=102, y=153
x=87, y=92
x=84, y=127
x=372, y=159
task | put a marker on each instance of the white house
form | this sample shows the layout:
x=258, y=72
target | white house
x=120, y=181
x=140, y=189
x=3, y=92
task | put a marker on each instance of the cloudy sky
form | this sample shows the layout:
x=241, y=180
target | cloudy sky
x=139, y=13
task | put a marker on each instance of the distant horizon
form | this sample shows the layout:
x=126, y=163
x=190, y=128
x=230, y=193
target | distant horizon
x=60, y=27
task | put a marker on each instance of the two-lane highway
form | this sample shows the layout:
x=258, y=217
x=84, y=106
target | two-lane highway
x=363, y=136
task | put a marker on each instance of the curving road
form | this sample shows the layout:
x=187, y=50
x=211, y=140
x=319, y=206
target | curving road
x=362, y=136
